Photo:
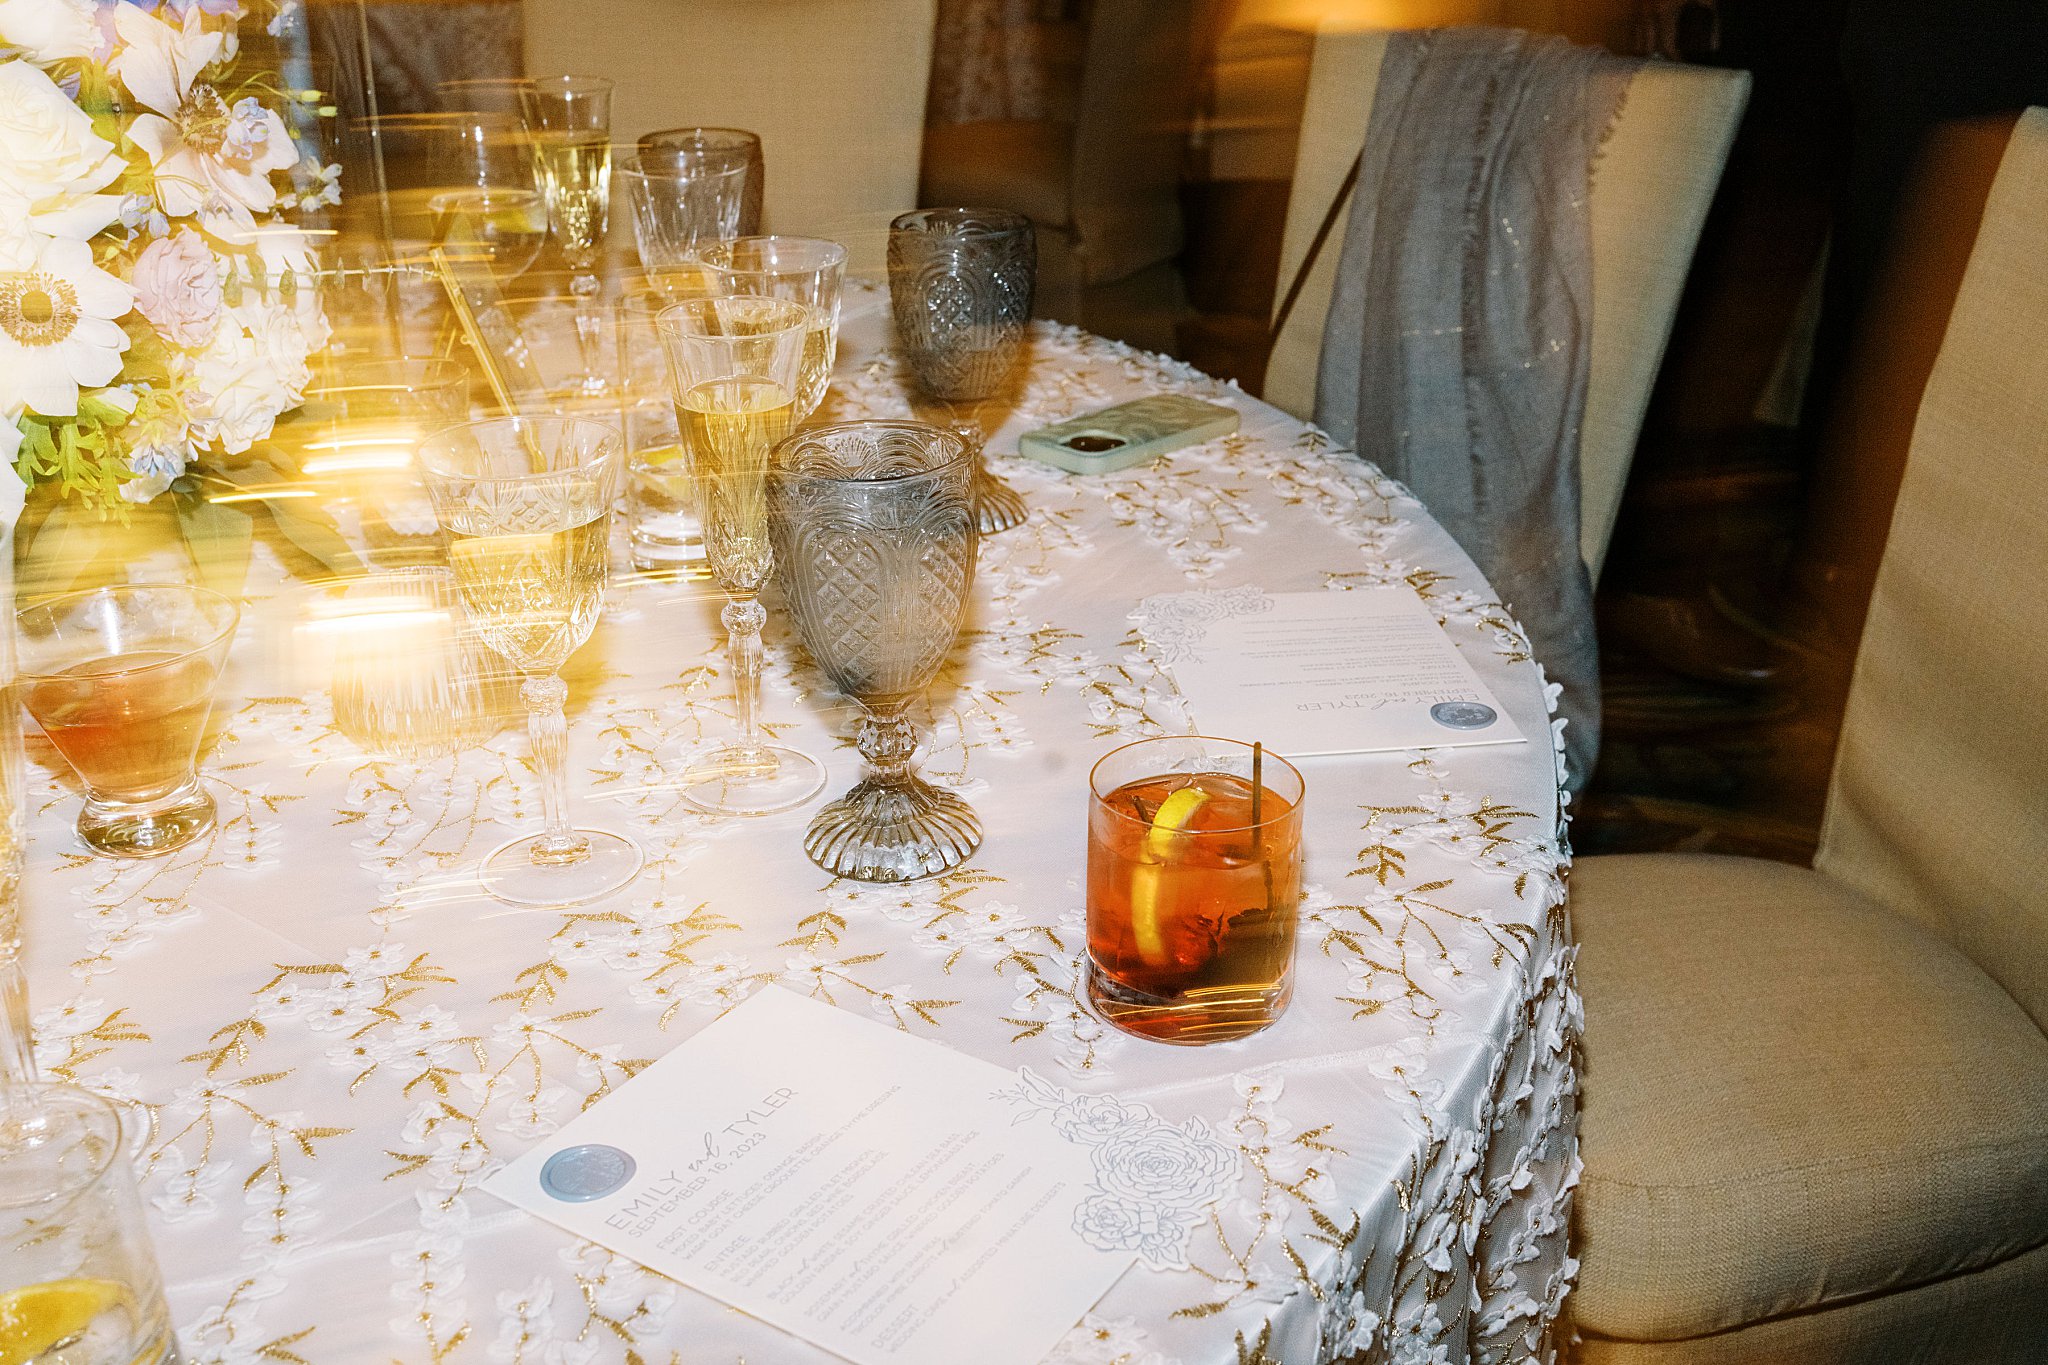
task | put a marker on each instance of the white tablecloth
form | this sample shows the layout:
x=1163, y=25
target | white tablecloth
x=338, y=1039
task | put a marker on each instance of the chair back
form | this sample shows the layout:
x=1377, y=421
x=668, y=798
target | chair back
x=1130, y=134
x=835, y=88
x=1938, y=807
x=1651, y=189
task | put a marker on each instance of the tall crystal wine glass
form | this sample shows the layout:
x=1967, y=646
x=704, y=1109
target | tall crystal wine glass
x=735, y=363
x=960, y=290
x=806, y=270
x=875, y=529
x=570, y=119
x=526, y=503
x=679, y=207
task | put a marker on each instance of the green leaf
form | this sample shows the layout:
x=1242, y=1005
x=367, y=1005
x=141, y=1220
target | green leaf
x=220, y=540
x=310, y=534
x=60, y=550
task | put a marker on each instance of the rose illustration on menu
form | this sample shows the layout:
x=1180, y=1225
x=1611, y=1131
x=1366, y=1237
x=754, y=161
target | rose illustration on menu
x=1154, y=1180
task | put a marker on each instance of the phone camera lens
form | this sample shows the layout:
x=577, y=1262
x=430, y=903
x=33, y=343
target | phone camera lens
x=1091, y=444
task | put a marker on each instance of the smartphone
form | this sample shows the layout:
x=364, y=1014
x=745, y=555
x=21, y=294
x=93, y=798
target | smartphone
x=1127, y=434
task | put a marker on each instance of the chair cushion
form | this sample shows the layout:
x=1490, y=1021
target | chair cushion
x=1026, y=166
x=1987, y=1317
x=1792, y=1098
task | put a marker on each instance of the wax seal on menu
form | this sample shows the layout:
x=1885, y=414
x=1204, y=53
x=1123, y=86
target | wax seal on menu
x=591, y=1171
x=1463, y=715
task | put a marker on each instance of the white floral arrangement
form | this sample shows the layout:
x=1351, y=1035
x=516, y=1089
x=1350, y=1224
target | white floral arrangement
x=156, y=309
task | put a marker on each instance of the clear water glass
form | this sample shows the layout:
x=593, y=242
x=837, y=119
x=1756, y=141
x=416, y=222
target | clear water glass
x=712, y=151
x=79, y=1283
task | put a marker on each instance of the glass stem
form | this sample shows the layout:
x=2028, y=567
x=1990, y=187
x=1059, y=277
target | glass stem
x=585, y=286
x=548, y=731
x=743, y=617
x=17, y=1046
x=887, y=741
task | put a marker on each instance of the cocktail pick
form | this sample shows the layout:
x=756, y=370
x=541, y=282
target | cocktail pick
x=1258, y=791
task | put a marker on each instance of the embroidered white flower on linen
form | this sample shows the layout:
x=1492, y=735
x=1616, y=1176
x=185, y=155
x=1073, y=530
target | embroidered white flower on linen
x=527, y=1334
x=983, y=930
x=177, y=287
x=52, y=163
x=46, y=31
x=1348, y=1324
x=1106, y=1341
x=1154, y=1180
x=57, y=328
x=1416, y=1337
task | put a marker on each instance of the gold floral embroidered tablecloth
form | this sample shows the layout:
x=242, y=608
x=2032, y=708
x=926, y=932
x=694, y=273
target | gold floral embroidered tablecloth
x=337, y=1040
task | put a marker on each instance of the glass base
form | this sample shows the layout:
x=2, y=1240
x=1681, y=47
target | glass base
x=147, y=829
x=760, y=781
x=1215, y=1015
x=997, y=506
x=511, y=875
x=893, y=832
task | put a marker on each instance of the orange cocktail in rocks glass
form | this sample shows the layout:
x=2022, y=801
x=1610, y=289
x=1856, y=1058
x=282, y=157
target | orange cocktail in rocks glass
x=1194, y=884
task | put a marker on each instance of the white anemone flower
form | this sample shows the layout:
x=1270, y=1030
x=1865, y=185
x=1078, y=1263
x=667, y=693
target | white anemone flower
x=159, y=59
x=210, y=159
x=216, y=161
x=46, y=31
x=52, y=163
x=57, y=323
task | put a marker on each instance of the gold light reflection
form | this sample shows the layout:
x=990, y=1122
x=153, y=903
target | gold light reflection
x=406, y=678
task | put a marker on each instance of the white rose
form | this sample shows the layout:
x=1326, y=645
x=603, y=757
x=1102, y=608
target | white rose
x=52, y=163
x=48, y=31
x=250, y=373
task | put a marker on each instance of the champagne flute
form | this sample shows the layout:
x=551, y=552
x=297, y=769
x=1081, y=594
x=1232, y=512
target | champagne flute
x=734, y=362
x=526, y=503
x=570, y=118
x=805, y=270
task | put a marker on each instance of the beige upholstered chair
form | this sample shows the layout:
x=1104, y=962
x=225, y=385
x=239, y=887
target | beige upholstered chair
x=835, y=88
x=1815, y=1109
x=1651, y=189
x=1104, y=189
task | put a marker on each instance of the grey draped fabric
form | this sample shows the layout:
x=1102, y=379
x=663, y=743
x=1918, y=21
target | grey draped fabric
x=1459, y=337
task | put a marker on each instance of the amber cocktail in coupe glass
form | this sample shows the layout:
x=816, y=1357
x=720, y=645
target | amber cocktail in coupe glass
x=121, y=680
x=1194, y=884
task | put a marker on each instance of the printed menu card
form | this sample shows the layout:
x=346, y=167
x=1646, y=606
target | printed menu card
x=1313, y=673
x=877, y=1194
